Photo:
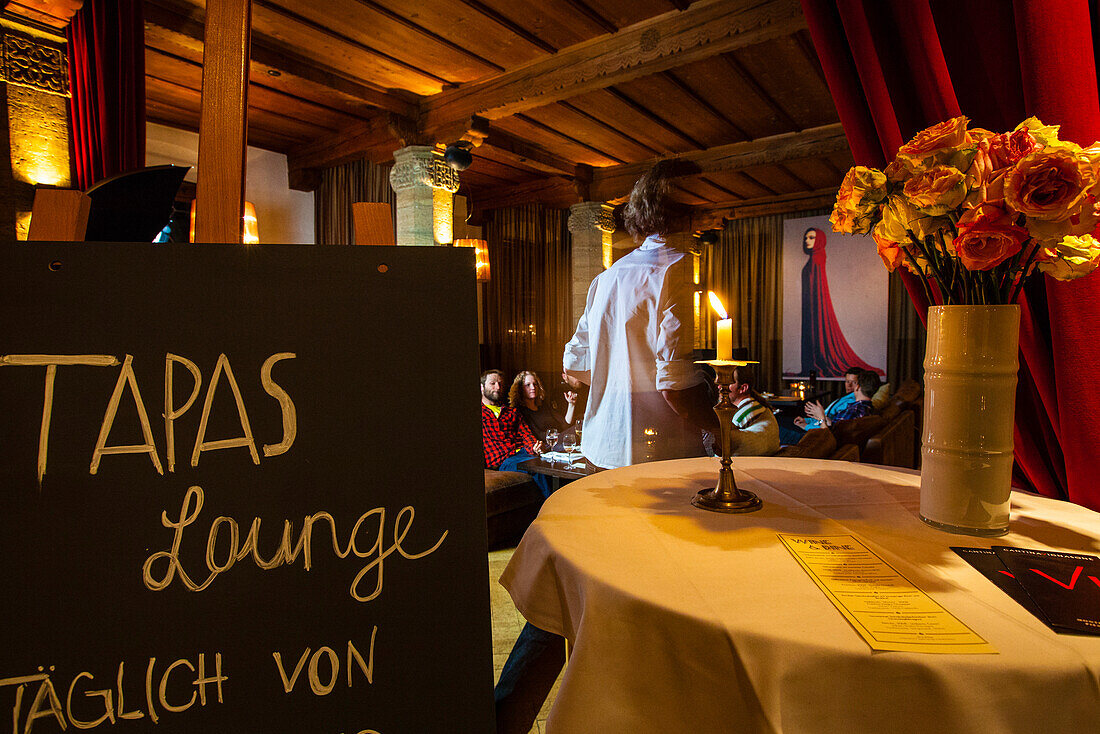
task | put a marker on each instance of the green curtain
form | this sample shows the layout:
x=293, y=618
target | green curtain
x=340, y=187
x=527, y=299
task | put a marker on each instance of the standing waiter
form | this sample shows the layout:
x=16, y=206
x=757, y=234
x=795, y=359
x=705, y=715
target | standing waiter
x=633, y=345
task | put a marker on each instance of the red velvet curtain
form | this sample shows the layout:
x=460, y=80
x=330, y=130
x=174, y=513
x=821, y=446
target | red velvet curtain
x=107, y=80
x=895, y=67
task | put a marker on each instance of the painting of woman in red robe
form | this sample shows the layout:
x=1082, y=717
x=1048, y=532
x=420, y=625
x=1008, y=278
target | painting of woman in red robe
x=824, y=348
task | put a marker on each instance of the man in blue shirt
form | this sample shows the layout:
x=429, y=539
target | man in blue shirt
x=866, y=386
x=792, y=435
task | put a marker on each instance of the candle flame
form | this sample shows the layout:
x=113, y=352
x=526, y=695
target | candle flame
x=716, y=304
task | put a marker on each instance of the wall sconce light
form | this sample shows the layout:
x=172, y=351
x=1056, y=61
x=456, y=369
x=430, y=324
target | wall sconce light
x=481, y=255
x=709, y=237
x=457, y=155
x=250, y=231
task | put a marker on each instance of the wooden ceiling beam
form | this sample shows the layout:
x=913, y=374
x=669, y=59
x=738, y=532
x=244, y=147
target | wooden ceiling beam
x=553, y=191
x=673, y=39
x=510, y=149
x=740, y=209
x=616, y=181
x=375, y=139
x=172, y=27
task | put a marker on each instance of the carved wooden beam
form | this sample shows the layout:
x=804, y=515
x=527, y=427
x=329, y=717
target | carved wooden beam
x=666, y=41
x=614, y=182
x=182, y=32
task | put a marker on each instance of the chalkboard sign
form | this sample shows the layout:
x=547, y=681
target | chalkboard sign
x=241, y=490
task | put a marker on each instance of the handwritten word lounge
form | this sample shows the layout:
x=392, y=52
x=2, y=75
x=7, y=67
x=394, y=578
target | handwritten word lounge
x=371, y=524
x=127, y=382
x=112, y=704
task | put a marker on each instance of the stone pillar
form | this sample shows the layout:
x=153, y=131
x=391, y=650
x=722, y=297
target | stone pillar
x=425, y=188
x=591, y=225
x=34, y=88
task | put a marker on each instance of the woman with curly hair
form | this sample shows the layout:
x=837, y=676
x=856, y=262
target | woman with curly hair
x=528, y=397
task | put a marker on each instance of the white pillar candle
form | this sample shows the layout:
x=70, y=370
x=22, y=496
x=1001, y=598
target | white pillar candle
x=725, y=328
x=725, y=339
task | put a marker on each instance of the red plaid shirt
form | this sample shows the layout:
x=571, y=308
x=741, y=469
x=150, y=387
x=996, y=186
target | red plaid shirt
x=504, y=436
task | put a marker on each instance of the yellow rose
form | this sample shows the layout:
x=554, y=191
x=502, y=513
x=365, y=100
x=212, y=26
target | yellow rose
x=1049, y=232
x=1074, y=257
x=944, y=137
x=857, y=200
x=1051, y=183
x=899, y=217
x=1045, y=134
x=936, y=191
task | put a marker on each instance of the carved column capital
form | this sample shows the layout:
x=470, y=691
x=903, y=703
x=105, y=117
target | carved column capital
x=28, y=62
x=421, y=165
x=591, y=215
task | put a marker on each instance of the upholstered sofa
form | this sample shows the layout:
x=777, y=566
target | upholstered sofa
x=890, y=437
x=512, y=500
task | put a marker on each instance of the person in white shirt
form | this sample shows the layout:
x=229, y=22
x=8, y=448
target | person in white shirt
x=648, y=400
x=757, y=430
x=633, y=344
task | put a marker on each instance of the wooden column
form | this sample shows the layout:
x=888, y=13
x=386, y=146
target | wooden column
x=223, y=124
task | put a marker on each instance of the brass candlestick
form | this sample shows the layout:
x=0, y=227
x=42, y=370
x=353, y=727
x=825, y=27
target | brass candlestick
x=726, y=497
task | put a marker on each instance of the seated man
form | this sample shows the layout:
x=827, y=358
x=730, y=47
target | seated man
x=792, y=434
x=506, y=440
x=867, y=385
x=758, y=431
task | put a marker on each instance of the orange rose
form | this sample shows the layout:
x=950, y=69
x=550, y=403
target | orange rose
x=1049, y=184
x=987, y=237
x=1008, y=149
x=889, y=250
x=944, y=136
x=937, y=190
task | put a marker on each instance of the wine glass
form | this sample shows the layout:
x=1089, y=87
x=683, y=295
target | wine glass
x=577, y=426
x=569, y=443
x=551, y=440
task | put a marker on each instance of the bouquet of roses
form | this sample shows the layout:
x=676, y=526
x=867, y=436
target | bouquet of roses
x=975, y=213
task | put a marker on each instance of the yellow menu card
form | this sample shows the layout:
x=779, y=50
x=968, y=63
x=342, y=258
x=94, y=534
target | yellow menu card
x=883, y=606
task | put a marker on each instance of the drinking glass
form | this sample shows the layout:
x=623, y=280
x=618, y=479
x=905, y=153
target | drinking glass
x=551, y=440
x=569, y=443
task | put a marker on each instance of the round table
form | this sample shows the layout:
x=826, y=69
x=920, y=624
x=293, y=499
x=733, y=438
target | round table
x=682, y=620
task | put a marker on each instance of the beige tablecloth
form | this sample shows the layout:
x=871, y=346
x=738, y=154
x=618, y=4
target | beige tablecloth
x=683, y=620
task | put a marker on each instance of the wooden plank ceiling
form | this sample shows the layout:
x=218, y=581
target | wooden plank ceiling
x=566, y=100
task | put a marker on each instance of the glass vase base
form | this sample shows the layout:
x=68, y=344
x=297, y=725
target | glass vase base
x=961, y=530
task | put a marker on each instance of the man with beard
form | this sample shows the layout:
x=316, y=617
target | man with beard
x=505, y=437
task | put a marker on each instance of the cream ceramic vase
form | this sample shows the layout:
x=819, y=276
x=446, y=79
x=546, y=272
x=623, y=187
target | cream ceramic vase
x=970, y=370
